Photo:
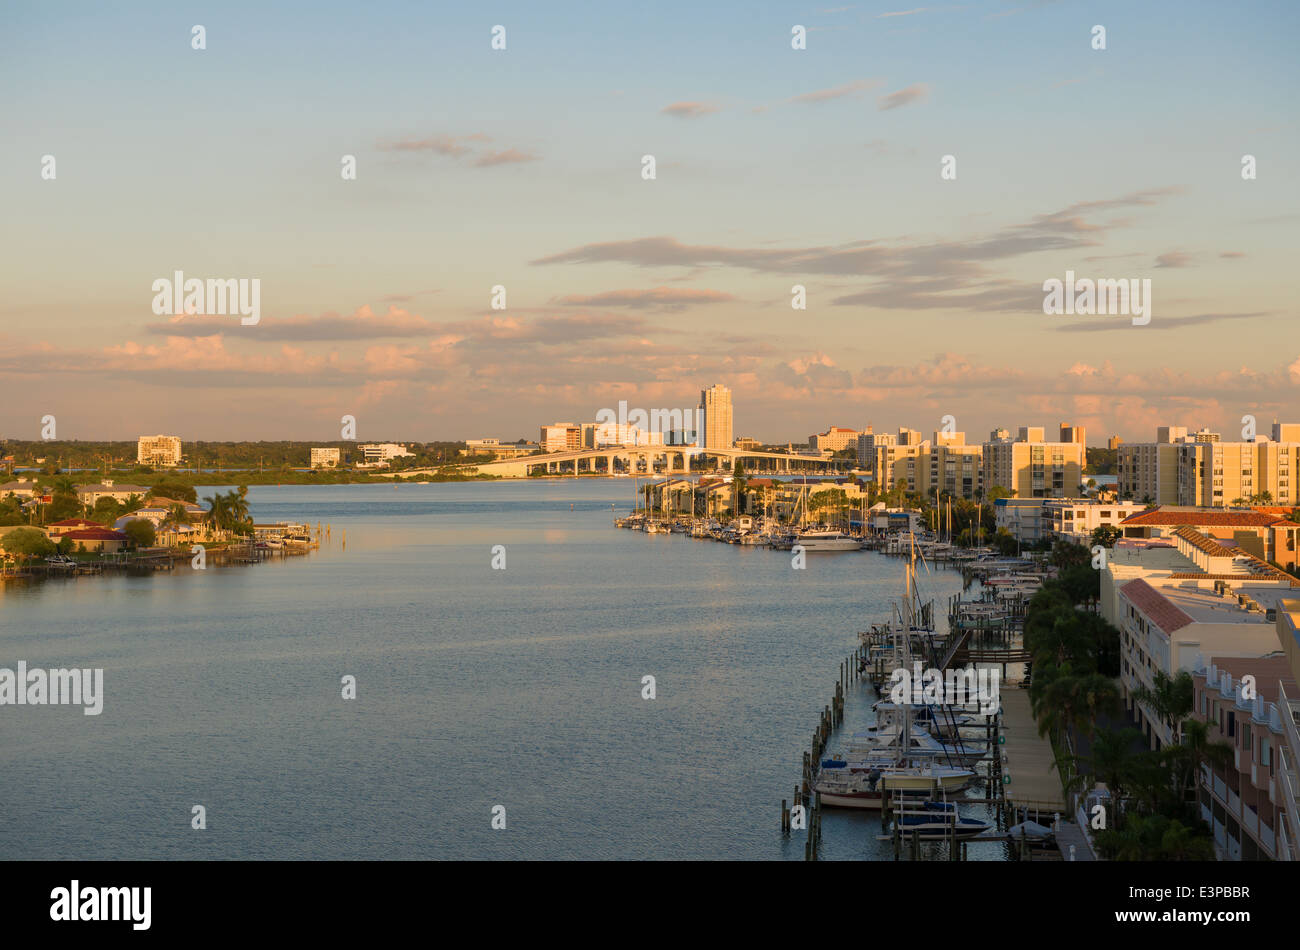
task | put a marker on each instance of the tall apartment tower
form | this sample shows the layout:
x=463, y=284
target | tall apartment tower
x=715, y=417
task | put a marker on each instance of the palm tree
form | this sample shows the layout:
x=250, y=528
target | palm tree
x=1199, y=749
x=176, y=516
x=218, y=514
x=1170, y=698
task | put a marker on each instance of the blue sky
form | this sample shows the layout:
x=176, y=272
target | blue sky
x=522, y=167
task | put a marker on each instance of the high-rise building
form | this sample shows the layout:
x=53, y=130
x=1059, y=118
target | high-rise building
x=949, y=465
x=324, y=458
x=715, y=418
x=1200, y=469
x=1114, y=442
x=160, y=451
x=1032, y=467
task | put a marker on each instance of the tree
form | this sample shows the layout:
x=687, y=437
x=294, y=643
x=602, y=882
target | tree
x=1111, y=759
x=24, y=543
x=1171, y=699
x=140, y=532
x=1068, y=553
x=173, y=489
x=1106, y=535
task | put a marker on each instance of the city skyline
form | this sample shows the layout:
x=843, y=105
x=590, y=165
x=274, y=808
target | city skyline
x=775, y=167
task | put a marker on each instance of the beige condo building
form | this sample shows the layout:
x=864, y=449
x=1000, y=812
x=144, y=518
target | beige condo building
x=1032, y=467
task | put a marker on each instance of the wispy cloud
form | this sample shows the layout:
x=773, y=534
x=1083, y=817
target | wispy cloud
x=458, y=146
x=689, y=110
x=672, y=298
x=1174, y=259
x=509, y=156
x=917, y=92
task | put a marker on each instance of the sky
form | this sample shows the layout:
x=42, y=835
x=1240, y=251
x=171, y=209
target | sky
x=523, y=168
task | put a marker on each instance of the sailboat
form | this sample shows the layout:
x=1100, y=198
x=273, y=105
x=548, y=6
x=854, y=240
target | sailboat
x=898, y=768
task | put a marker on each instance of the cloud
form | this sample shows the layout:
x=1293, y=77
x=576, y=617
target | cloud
x=881, y=16
x=904, y=275
x=509, y=156
x=1157, y=322
x=362, y=324
x=1173, y=259
x=1231, y=255
x=675, y=298
x=826, y=95
x=454, y=146
x=917, y=92
x=689, y=110
x=437, y=144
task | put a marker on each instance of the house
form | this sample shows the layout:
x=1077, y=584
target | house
x=97, y=539
x=90, y=494
x=23, y=488
x=58, y=529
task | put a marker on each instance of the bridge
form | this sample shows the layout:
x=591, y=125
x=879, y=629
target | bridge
x=656, y=460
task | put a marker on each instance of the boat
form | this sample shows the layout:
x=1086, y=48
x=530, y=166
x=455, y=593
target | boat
x=827, y=540
x=901, y=761
x=938, y=819
x=842, y=785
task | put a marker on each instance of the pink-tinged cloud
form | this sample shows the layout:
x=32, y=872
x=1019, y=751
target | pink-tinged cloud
x=917, y=92
x=1173, y=259
x=689, y=110
x=658, y=297
x=437, y=144
x=509, y=156
x=836, y=92
x=363, y=324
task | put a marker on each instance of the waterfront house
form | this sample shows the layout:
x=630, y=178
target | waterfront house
x=97, y=539
x=58, y=529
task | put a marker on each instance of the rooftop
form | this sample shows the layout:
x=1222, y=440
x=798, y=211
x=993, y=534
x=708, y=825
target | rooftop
x=1197, y=517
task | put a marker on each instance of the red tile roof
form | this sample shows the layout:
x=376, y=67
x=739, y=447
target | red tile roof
x=1162, y=612
x=96, y=534
x=1225, y=519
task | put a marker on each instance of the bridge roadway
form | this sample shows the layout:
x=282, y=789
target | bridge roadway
x=676, y=461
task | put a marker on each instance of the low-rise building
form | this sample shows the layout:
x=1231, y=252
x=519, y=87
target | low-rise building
x=90, y=494
x=57, y=529
x=1175, y=598
x=1022, y=518
x=1250, y=529
x=380, y=454
x=1074, y=519
x=97, y=539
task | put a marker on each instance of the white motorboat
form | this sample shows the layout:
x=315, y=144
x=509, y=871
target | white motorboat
x=827, y=540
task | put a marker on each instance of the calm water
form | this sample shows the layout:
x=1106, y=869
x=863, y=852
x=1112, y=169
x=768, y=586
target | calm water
x=476, y=687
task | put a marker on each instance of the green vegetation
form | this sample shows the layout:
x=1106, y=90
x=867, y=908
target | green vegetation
x=139, y=532
x=1076, y=660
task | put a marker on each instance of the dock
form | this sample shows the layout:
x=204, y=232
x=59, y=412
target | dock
x=1029, y=768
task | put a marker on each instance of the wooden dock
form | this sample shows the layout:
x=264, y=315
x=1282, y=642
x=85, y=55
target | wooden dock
x=1029, y=772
